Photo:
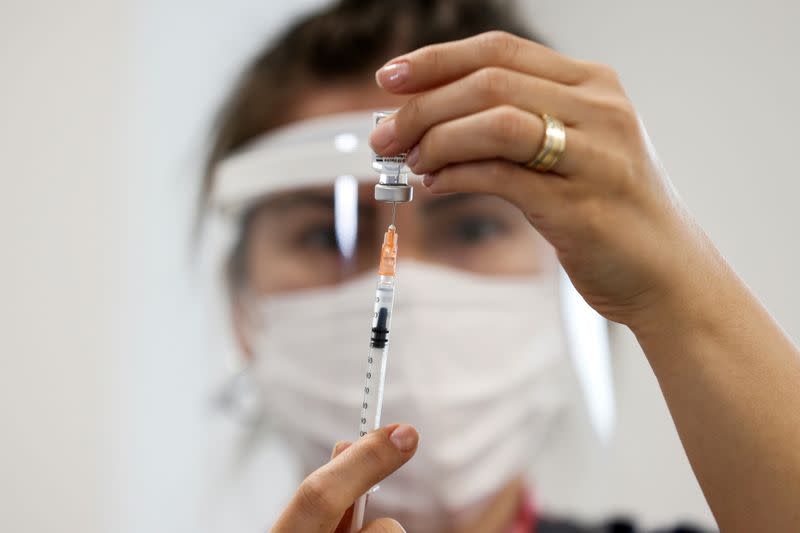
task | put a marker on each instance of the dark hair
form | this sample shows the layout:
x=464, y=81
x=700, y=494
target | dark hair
x=343, y=42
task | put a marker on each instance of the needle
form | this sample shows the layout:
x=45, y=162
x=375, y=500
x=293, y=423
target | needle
x=394, y=212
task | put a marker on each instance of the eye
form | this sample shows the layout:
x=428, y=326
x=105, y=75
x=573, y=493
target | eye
x=320, y=238
x=477, y=229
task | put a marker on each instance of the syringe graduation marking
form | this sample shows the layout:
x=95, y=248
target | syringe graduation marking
x=379, y=339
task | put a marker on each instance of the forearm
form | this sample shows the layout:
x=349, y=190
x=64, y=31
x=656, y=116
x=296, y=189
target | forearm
x=731, y=379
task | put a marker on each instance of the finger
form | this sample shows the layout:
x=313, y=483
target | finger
x=480, y=90
x=383, y=525
x=541, y=197
x=438, y=64
x=344, y=522
x=339, y=447
x=503, y=132
x=323, y=497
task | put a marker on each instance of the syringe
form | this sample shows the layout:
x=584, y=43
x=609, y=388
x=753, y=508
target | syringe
x=375, y=373
x=392, y=187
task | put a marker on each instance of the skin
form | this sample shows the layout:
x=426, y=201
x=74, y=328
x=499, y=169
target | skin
x=729, y=375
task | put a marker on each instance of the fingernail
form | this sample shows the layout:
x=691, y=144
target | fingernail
x=383, y=135
x=397, y=525
x=427, y=179
x=392, y=75
x=413, y=156
x=339, y=447
x=404, y=437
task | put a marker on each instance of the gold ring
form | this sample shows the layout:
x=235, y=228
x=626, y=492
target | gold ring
x=555, y=142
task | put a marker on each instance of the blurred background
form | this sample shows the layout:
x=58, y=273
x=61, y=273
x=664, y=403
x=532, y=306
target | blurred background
x=110, y=345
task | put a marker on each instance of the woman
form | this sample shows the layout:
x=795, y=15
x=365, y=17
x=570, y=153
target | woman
x=481, y=374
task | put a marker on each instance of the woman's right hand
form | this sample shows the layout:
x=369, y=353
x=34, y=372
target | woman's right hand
x=324, y=500
x=619, y=230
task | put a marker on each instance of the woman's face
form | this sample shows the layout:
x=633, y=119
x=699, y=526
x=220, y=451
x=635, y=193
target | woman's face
x=314, y=237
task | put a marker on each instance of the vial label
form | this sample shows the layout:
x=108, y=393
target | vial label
x=391, y=163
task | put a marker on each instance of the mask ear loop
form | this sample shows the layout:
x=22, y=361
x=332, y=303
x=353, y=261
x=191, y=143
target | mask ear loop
x=238, y=397
x=240, y=401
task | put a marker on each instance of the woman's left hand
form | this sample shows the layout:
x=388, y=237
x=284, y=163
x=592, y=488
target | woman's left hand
x=475, y=118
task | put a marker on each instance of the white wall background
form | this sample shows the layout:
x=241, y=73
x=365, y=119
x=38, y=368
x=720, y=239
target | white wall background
x=105, y=363
x=63, y=99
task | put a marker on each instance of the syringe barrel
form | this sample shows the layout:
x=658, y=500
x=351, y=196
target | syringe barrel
x=377, y=358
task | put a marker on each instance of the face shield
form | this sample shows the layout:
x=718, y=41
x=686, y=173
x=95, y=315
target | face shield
x=299, y=201
x=478, y=335
x=304, y=200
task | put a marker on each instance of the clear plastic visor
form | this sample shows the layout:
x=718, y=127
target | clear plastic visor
x=323, y=235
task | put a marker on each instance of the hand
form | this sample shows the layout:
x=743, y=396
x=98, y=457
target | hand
x=607, y=207
x=324, y=500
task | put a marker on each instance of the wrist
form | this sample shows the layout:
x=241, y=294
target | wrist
x=700, y=292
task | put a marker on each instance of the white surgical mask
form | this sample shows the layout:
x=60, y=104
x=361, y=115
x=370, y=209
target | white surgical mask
x=476, y=364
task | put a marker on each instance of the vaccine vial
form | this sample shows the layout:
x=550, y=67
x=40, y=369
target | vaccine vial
x=392, y=171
